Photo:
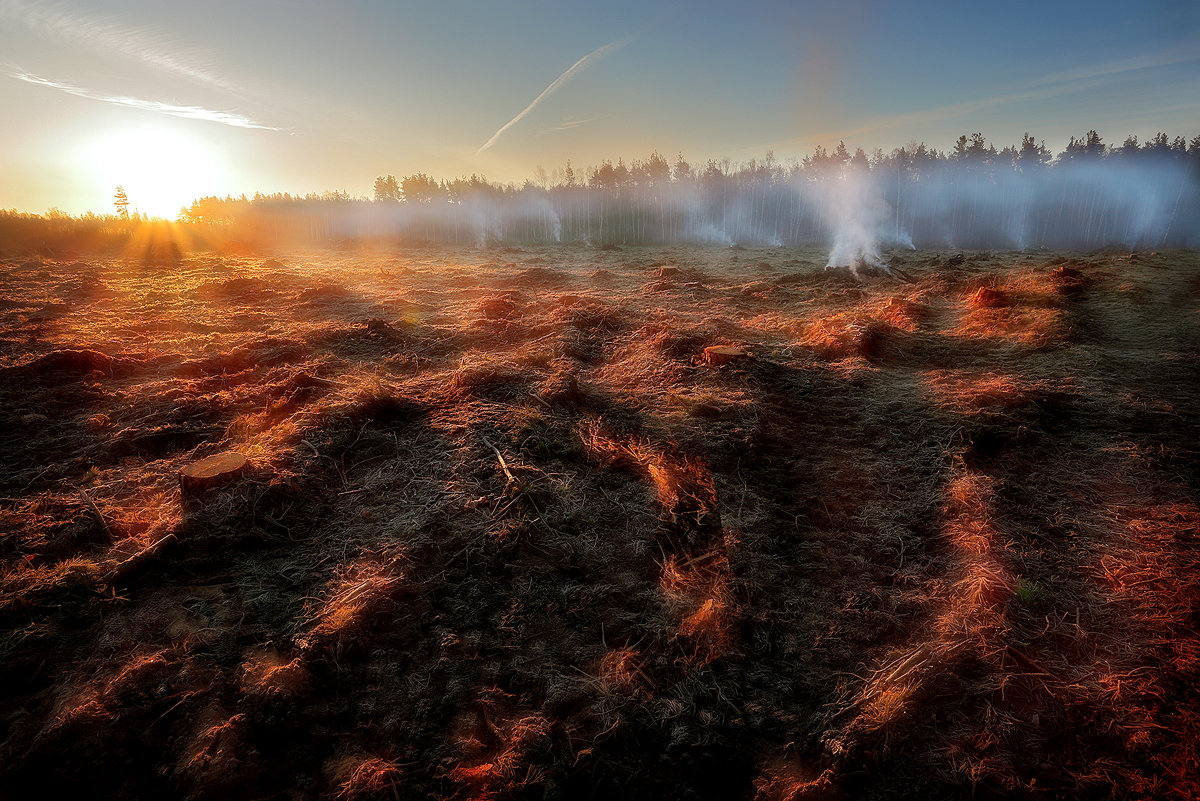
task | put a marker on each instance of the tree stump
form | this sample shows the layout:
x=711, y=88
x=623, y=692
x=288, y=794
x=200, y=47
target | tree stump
x=211, y=472
x=718, y=355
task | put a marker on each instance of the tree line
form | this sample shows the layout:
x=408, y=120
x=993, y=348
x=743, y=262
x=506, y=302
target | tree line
x=973, y=195
x=1090, y=194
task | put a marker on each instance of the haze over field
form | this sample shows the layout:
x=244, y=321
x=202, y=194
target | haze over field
x=176, y=101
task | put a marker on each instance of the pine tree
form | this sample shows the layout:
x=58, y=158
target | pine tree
x=121, y=201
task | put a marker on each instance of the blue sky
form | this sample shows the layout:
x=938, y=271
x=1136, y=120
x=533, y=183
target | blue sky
x=231, y=97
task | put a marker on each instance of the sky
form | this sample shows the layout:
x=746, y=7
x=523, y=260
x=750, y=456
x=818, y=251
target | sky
x=175, y=100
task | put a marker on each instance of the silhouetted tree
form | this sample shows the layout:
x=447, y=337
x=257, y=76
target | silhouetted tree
x=1033, y=155
x=387, y=188
x=973, y=151
x=121, y=201
x=681, y=171
x=1090, y=147
x=603, y=177
x=420, y=188
x=840, y=155
x=858, y=162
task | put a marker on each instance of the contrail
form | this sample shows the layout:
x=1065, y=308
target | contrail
x=187, y=112
x=576, y=68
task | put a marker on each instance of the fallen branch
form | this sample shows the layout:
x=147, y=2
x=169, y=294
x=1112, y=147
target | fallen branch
x=503, y=464
x=96, y=511
x=125, y=569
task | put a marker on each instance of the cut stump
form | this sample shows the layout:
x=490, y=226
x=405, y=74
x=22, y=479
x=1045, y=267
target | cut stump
x=718, y=355
x=211, y=472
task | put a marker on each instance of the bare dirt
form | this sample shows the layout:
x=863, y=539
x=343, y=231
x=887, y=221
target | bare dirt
x=505, y=532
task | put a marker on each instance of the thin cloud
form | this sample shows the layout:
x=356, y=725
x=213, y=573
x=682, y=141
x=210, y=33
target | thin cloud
x=568, y=124
x=100, y=33
x=1184, y=54
x=187, y=112
x=576, y=68
x=1057, y=85
x=1101, y=75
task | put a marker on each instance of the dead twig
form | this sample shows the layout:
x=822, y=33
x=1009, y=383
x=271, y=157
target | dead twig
x=95, y=511
x=500, y=457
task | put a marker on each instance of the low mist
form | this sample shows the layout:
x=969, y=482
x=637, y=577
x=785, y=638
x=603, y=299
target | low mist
x=855, y=208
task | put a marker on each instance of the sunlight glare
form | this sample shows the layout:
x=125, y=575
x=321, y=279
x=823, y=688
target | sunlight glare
x=161, y=169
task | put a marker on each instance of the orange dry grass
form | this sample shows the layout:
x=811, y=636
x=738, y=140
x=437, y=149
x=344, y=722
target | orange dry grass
x=23, y=584
x=788, y=780
x=267, y=672
x=987, y=297
x=905, y=314
x=1039, y=329
x=851, y=334
x=369, y=777
x=981, y=583
x=966, y=391
x=683, y=486
x=363, y=589
x=698, y=588
x=1149, y=573
x=889, y=707
x=621, y=672
x=100, y=699
x=215, y=753
x=984, y=582
x=1022, y=310
x=910, y=563
x=709, y=629
x=509, y=764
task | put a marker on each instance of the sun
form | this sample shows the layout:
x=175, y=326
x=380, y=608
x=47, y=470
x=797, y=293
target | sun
x=161, y=169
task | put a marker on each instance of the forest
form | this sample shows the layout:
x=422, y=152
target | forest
x=1090, y=195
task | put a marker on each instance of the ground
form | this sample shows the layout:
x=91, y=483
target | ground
x=506, y=533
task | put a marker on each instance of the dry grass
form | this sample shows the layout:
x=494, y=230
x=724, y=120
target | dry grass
x=505, y=534
x=363, y=594
x=369, y=777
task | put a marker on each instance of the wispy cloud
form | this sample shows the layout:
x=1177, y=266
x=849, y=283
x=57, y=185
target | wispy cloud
x=187, y=112
x=570, y=123
x=107, y=35
x=576, y=68
x=1183, y=54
